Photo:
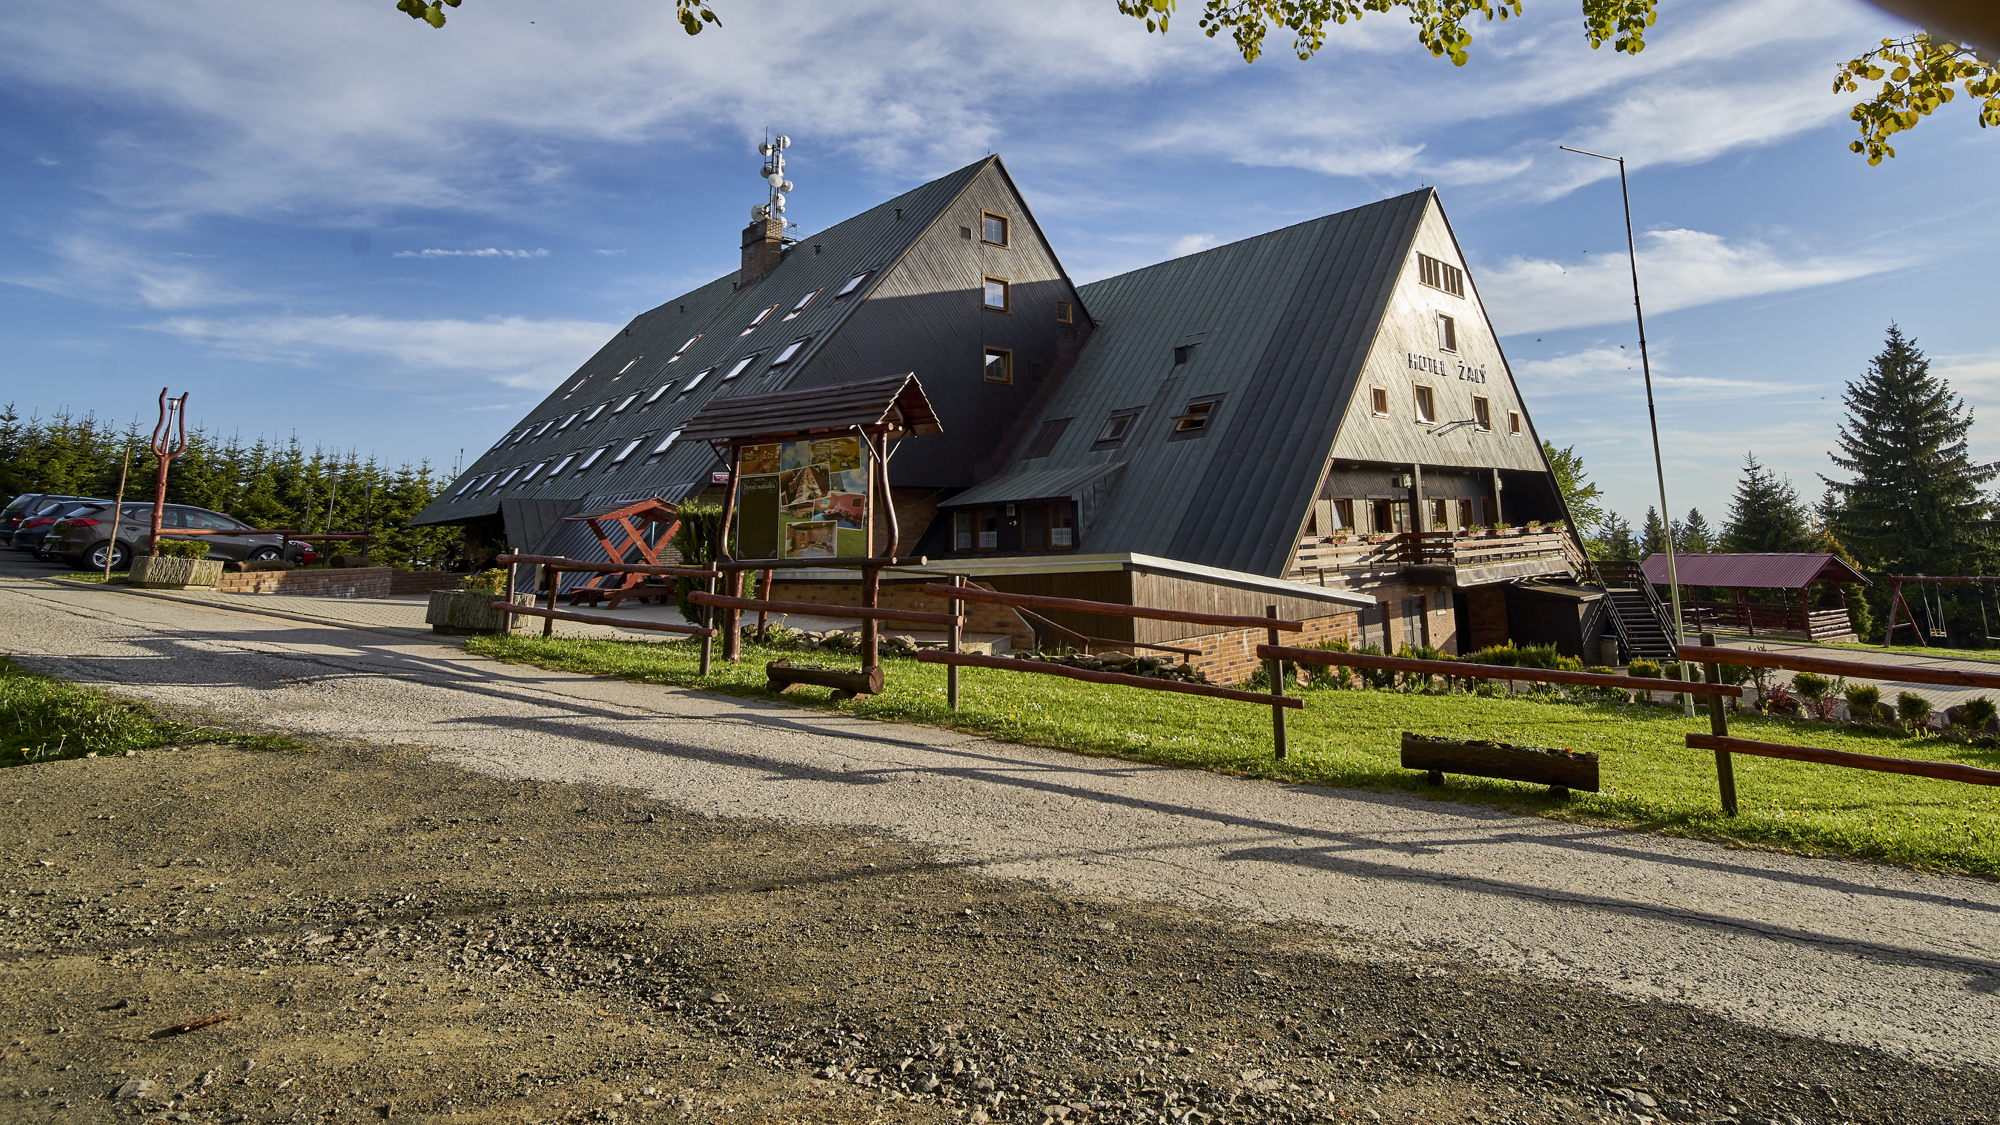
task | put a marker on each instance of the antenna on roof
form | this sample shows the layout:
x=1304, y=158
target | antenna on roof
x=773, y=152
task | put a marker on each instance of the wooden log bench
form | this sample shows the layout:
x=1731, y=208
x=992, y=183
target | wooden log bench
x=846, y=685
x=1560, y=770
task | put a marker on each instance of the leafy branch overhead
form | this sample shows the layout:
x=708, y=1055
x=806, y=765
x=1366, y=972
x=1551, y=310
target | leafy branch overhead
x=1922, y=68
x=691, y=13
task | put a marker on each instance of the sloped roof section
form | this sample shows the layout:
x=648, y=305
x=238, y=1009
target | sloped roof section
x=896, y=403
x=1772, y=571
x=1275, y=331
x=1032, y=484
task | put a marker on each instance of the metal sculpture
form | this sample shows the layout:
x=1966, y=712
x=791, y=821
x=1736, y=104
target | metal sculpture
x=169, y=442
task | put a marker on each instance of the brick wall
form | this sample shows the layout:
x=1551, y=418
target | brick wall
x=354, y=582
x=422, y=581
x=1231, y=657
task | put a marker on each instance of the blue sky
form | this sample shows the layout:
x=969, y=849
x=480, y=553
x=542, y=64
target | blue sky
x=332, y=220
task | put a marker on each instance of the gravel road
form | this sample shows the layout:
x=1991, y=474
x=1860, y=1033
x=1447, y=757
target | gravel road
x=1864, y=955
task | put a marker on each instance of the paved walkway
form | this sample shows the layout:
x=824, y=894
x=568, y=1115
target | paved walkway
x=1940, y=697
x=1849, y=952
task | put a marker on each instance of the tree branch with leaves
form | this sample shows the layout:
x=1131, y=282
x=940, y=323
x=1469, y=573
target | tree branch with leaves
x=1920, y=71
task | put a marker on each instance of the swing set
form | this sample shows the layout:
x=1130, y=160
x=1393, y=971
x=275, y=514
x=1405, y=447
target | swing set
x=1930, y=595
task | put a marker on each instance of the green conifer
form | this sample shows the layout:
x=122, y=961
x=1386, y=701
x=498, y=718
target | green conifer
x=1765, y=514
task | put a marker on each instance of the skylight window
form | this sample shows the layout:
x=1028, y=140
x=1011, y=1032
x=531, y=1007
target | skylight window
x=563, y=464
x=696, y=381
x=759, y=319
x=624, y=402
x=531, y=475
x=660, y=450
x=803, y=302
x=626, y=452
x=576, y=386
x=518, y=435
x=541, y=429
x=658, y=391
x=997, y=294
x=503, y=441
x=470, y=480
x=592, y=459
x=852, y=284
x=567, y=421
x=510, y=476
x=791, y=350
x=742, y=364
x=1196, y=417
x=1116, y=427
x=682, y=350
x=628, y=366
x=594, y=412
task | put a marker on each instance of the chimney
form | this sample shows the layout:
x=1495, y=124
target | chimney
x=763, y=246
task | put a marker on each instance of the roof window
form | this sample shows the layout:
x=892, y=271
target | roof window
x=1115, y=428
x=757, y=320
x=624, y=402
x=742, y=365
x=563, y=464
x=541, y=429
x=628, y=366
x=660, y=450
x=803, y=302
x=790, y=350
x=658, y=392
x=594, y=412
x=626, y=453
x=682, y=350
x=531, y=475
x=1438, y=275
x=1046, y=438
x=992, y=228
x=566, y=422
x=698, y=377
x=504, y=440
x=852, y=284
x=1197, y=417
x=576, y=386
x=590, y=460
x=998, y=295
x=510, y=476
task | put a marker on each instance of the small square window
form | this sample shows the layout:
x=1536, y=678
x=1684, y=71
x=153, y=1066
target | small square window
x=993, y=229
x=1195, y=418
x=1482, y=413
x=1427, y=412
x=852, y=284
x=1065, y=313
x=999, y=365
x=1183, y=353
x=1378, y=401
x=1514, y=422
x=1447, y=333
x=961, y=531
x=965, y=233
x=1116, y=427
x=997, y=297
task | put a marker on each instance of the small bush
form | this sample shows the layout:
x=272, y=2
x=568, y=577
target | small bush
x=1980, y=713
x=1569, y=663
x=1779, y=700
x=1912, y=709
x=1601, y=670
x=485, y=582
x=1377, y=678
x=181, y=548
x=1863, y=701
x=1643, y=668
x=1810, y=687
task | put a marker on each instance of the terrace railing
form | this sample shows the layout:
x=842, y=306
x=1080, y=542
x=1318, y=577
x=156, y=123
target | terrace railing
x=1333, y=558
x=1754, y=619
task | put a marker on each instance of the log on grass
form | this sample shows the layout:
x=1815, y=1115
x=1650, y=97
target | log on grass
x=1564, y=769
x=1012, y=664
x=1943, y=771
x=784, y=677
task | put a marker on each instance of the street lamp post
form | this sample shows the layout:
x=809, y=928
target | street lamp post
x=1652, y=415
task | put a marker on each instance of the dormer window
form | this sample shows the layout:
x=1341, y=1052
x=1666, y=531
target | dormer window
x=790, y=350
x=629, y=364
x=742, y=365
x=852, y=284
x=992, y=229
x=803, y=302
x=1438, y=275
x=759, y=319
x=696, y=381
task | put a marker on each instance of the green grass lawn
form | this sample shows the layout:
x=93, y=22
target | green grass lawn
x=1352, y=739
x=44, y=719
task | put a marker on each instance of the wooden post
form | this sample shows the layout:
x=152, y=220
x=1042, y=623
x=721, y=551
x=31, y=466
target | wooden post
x=763, y=618
x=1895, y=596
x=1277, y=670
x=1718, y=725
x=555, y=583
x=955, y=635
x=871, y=629
x=509, y=599
x=708, y=642
x=117, y=510
x=732, y=619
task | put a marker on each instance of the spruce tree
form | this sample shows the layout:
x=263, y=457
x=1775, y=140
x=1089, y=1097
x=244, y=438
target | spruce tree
x=1917, y=503
x=1697, y=538
x=1615, y=537
x=1766, y=515
x=1654, y=537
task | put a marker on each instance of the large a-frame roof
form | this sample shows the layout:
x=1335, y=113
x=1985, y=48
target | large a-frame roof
x=1280, y=326
x=717, y=312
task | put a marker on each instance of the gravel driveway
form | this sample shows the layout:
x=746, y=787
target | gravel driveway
x=1860, y=954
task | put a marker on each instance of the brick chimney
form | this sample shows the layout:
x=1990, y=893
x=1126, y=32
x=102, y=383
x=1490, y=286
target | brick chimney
x=763, y=246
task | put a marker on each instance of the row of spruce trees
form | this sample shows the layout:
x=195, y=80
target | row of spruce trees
x=264, y=483
x=1908, y=499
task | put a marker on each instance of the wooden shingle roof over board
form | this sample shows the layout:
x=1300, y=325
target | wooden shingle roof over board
x=895, y=404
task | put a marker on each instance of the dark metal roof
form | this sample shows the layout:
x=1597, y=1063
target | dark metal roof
x=648, y=352
x=651, y=508
x=528, y=521
x=1772, y=571
x=895, y=403
x=1032, y=484
x=1288, y=318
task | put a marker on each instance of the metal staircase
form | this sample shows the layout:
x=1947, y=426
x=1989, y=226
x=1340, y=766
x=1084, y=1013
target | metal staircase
x=1643, y=623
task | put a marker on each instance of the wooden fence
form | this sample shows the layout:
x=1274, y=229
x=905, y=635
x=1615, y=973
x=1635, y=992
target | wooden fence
x=1710, y=656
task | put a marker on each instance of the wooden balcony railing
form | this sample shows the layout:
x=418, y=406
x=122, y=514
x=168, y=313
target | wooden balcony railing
x=1324, y=559
x=1755, y=619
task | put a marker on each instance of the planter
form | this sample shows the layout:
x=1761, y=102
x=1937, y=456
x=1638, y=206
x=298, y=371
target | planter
x=158, y=572
x=1561, y=770
x=461, y=613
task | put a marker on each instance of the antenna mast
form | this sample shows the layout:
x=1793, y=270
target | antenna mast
x=773, y=152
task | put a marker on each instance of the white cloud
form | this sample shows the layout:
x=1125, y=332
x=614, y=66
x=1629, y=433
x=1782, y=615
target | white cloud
x=1678, y=269
x=93, y=267
x=512, y=351
x=1192, y=244
x=488, y=252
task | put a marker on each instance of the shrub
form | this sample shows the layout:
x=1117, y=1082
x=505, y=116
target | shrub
x=486, y=582
x=695, y=540
x=1810, y=687
x=1377, y=678
x=1601, y=670
x=1339, y=676
x=1779, y=700
x=181, y=548
x=1912, y=709
x=1569, y=663
x=1863, y=701
x=1643, y=668
x=1980, y=713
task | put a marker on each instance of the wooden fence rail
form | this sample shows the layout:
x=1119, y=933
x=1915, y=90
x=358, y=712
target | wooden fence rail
x=557, y=562
x=1853, y=669
x=1947, y=771
x=1111, y=609
x=1015, y=664
x=813, y=609
x=1488, y=671
x=601, y=619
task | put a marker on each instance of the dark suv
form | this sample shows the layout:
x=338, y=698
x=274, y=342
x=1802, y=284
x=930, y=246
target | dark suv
x=84, y=539
x=31, y=506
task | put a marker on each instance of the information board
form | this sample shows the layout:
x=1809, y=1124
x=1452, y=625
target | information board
x=803, y=499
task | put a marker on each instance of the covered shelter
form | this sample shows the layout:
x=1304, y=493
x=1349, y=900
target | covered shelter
x=1785, y=573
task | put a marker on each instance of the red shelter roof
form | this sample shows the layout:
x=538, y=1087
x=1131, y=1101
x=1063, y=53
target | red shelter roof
x=1761, y=571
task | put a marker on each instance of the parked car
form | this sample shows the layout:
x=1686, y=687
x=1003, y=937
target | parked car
x=33, y=530
x=30, y=505
x=84, y=539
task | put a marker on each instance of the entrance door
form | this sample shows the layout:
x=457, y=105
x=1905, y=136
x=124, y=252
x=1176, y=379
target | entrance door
x=1416, y=625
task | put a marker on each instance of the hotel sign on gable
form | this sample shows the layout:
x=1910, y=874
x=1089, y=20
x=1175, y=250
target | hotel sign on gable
x=1465, y=372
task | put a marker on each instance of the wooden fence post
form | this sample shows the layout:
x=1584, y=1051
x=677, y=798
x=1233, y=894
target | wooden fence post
x=871, y=629
x=1718, y=725
x=1277, y=671
x=555, y=583
x=957, y=631
x=708, y=642
x=764, y=592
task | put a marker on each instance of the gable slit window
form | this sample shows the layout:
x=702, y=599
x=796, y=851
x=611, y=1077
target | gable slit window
x=1439, y=275
x=999, y=365
x=998, y=294
x=992, y=229
x=1426, y=402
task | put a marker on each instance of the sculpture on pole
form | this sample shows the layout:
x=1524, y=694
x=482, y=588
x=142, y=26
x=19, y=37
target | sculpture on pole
x=169, y=442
